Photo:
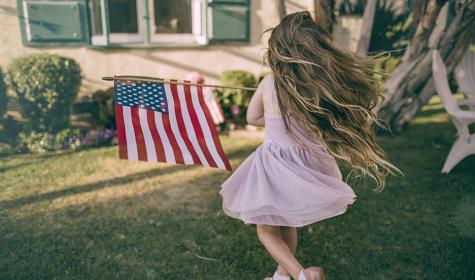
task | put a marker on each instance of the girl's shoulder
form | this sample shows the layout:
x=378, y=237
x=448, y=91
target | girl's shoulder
x=268, y=79
x=267, y=83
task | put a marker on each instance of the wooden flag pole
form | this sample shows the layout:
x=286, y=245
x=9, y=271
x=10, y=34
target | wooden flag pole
x=168, y=81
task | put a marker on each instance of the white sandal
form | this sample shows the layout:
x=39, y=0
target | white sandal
x=315, y=272
x=277, y=276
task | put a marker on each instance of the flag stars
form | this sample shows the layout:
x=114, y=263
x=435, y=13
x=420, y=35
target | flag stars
x=145, y=95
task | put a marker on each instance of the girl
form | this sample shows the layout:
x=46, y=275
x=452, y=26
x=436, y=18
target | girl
x=316, y=107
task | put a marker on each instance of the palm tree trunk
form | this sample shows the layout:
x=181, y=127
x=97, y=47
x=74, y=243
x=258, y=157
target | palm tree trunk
x=411, y=85
x=368, y=19
x=322, y=11
x=281, y=8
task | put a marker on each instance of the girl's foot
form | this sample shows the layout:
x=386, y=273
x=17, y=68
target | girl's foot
x=277, y=276
x=312, y=273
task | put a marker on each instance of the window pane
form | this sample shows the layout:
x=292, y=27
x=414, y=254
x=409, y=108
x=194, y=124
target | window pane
x=172, y=16
x=96, y=17
x=123, y=16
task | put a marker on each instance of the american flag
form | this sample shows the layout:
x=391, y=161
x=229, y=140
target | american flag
x=166, y=122
x=213, y=106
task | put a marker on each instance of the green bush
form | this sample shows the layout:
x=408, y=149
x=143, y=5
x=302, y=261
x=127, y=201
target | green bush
x=40, y=142
x=9, y=130
x=104, y=116
x=235, y=101
x=46, y=85
x=98, y=109
x=3, y=95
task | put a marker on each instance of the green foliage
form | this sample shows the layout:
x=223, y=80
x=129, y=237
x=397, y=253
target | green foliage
x=352, y=7
x=386, y=66
x=3, y=95
x=40, y=142
x=46, y=85
x=237, y=98
x=391, y=28
x=98, y=109
x=104, y=116
x=9, y=130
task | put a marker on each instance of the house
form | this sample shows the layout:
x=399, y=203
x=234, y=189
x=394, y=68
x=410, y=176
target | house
x=160, y=38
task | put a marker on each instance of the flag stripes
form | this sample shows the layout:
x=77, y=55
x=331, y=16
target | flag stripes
x=184, y=135
x=213, y=106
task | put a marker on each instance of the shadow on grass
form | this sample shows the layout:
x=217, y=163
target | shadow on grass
x=179, y=231
x=83, y=188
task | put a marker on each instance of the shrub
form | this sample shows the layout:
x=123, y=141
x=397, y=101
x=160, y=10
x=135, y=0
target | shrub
x=99, y=137
x=40, y=142
x=104, y=116
x=9, y=130
x=97, y=109
x=46, y=85
x=235, y=101
x=3, y=95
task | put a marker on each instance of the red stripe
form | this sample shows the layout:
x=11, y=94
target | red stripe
x=212, y=127
x=160, y=150
x=181, y=125
x=171, y=137
x=139, y=139
x=197, y=127
x=122, y=139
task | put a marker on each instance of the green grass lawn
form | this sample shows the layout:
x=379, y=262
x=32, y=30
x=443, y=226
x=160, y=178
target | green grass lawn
x=88, y=215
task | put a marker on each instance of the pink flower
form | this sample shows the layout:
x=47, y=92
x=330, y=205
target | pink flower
x=234, y=109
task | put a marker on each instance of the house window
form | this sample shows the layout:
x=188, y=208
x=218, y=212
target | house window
x=179, y=21
x=98, y=36
x=172, y=16
x=133, y=22
x=124, y=19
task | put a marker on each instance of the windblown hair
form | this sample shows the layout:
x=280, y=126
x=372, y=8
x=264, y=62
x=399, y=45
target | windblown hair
x=330, y=92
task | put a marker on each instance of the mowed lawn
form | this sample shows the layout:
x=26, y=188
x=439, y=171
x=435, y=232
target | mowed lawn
x=88, y=215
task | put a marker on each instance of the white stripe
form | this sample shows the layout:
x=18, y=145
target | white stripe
x=209, y=98
x=189, y=125
x=173, y=123
x=212, y=112
x=206, y=129
x=216, y=114
x=169, y=155
x=147, y=135
x=129, y=134
x=220, y=110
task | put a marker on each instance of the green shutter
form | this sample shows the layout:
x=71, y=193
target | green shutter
x=48, y=22
x=228, y=21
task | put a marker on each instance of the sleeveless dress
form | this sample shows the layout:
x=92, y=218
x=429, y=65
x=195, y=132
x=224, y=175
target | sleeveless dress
x=283, y=184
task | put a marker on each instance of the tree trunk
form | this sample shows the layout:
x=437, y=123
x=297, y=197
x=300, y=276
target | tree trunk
x=281, y=8
x=368, y=19
x=417, y=7
x=322, y=11
x=411, y=85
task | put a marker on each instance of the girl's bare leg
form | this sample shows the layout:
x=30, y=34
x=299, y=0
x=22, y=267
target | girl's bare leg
x=289, y=235
x=270, y=237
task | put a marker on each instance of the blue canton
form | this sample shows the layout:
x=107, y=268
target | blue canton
x=138, y=94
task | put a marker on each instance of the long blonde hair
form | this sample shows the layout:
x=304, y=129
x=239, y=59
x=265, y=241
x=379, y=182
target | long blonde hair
x=330, y=92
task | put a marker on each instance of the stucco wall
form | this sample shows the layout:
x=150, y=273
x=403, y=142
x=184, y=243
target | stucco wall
x=158, y=62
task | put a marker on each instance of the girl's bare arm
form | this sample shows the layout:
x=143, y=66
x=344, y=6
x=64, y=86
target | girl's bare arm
x=255, y=110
